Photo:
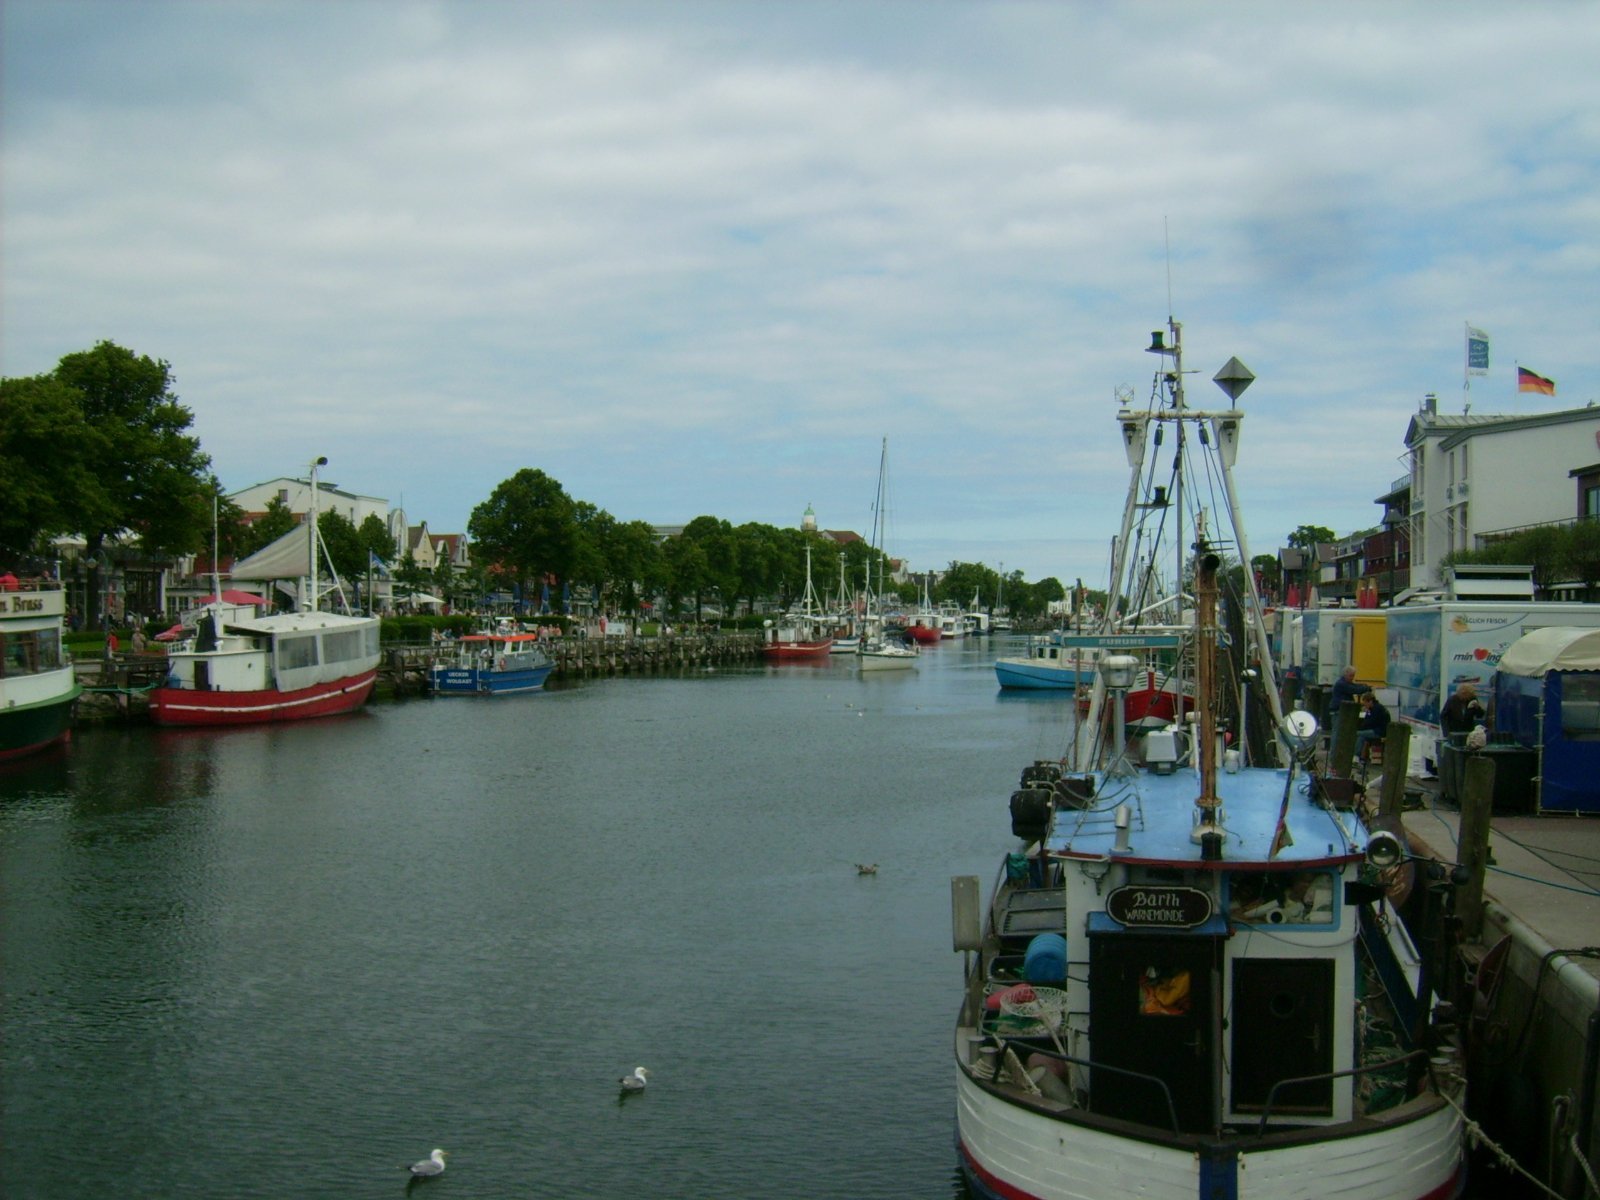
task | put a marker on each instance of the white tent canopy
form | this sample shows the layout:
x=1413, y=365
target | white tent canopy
x=1556, y=648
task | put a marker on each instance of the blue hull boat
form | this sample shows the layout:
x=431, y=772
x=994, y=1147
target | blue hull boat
x=491, y=664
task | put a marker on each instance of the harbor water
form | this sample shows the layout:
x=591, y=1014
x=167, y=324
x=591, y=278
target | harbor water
x=288, y=961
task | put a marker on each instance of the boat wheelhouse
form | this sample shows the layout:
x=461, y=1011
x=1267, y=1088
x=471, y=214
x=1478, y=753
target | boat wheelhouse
x=37, y=683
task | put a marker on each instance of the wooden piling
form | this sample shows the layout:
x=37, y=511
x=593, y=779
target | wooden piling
x=1396, y=754
x=1477, y=806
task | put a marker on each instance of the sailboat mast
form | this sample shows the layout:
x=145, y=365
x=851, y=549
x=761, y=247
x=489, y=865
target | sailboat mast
x=308, y=599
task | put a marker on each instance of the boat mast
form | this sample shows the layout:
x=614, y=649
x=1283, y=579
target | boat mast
x=216, y=574
x=310, y=594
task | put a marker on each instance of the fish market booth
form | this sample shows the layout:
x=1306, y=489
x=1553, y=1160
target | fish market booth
x=1547, y=697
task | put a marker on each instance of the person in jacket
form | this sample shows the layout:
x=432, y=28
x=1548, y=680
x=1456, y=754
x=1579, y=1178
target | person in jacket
x=1372, y=724
x=1463, y=712
x=1344, y=688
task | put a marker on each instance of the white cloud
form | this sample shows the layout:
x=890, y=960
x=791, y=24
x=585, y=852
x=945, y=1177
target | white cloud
x=701, y=257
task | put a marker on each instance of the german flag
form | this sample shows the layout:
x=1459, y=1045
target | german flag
x=1531, y=381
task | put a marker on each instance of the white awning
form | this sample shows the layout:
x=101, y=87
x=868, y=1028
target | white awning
x=1557, y=648
x=417, y=598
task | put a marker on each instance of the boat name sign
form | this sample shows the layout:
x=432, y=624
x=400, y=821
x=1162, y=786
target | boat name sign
x=1121, y=641
x=1160, y=907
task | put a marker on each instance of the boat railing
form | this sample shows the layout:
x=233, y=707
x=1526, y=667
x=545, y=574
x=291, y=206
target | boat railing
x=1329, y=1076
x=1032, y=1048
x=1154, y=1080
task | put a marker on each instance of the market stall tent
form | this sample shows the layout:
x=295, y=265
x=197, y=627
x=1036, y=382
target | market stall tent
x=1547, y=696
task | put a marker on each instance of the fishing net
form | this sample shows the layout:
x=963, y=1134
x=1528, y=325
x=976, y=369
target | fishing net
x=1027, y=1011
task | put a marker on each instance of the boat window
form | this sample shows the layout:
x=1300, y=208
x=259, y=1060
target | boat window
x=297, y=652
x=342, y=646
x=1281, y=897
x=29, y=651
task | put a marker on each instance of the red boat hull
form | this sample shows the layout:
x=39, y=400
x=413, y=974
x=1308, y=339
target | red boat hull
x=1151, y=702
x=184, y=706
x=927, y=635
x=796, y=651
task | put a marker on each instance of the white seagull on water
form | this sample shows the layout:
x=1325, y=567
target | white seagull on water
x=430, y=1166
x=634, y=1082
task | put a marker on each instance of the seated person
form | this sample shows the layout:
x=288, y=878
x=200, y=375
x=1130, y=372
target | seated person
x=1372, y=724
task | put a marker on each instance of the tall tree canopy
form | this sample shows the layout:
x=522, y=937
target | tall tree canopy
x=101, y=447
x=527, y=527
x=45, y=480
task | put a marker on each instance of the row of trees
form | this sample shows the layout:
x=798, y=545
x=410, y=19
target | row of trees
x=534, y=531
x=101, y=447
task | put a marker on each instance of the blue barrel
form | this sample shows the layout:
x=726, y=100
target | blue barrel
x=1046, y=959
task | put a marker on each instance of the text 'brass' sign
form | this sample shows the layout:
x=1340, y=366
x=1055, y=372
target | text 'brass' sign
x=1159, y=907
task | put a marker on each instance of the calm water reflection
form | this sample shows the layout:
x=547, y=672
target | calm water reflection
x=287, y=961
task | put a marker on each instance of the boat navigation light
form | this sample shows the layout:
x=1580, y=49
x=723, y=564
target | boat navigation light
x=1385, y=849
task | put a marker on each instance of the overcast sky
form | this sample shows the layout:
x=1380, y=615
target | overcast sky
x=700, y=258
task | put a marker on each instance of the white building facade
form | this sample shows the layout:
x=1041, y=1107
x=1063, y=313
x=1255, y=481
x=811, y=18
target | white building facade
x=1473, y=476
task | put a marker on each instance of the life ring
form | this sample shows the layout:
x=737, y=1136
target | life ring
x=502, y=664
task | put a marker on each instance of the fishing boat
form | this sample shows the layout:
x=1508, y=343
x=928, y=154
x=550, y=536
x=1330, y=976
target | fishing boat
x=502, y=662
x=1048, y=665
x=924, y=626
x=802, y=634
x=1191, y=980
x=882, y=649
x=37, y=682
x=234, y=666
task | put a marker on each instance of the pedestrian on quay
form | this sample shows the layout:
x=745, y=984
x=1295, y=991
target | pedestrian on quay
x=1345, y=688
x=138, y=639
x=1463, y=712
x=111, y=646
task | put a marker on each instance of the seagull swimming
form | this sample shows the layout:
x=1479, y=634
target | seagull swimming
x=634, y=1082
x=430, y=1166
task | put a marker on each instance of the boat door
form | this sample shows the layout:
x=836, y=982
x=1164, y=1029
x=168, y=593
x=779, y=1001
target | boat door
x=1153, y=1011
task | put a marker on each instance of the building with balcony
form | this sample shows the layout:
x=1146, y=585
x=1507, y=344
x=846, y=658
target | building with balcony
x=1478, y=476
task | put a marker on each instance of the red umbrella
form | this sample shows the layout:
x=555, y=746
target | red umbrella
x=235, y=597
x=171, y=635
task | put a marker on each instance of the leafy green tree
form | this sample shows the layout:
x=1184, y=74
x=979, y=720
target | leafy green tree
x=152, y=474
x=375, y=539
x=757, y=563
x=345, y=548
x=594, y=529
x=267, y=528
x=1306, y=537
x=46, y=482
x=527, y=527
x=634, y=563
x=686, y=571
x=715, y=539
x=1268, y=571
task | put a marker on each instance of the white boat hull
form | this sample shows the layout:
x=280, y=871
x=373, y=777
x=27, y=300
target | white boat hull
x=1014, y=1152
